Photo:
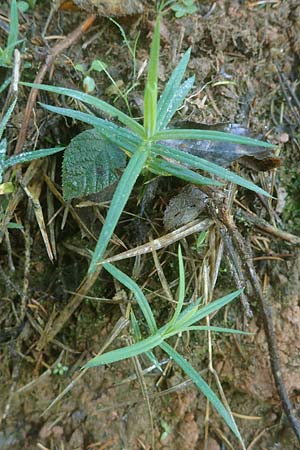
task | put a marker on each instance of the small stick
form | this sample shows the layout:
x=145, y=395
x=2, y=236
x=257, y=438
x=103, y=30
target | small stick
x=186, y=230
x=263, y=225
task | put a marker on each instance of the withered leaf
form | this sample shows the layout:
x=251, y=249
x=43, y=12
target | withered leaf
x=184, y=207
x=225, y=153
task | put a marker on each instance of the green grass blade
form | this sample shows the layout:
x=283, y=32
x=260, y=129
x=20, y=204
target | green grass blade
x=138, y=337
x=6, y=117
x=126, y=352
x=209, y=309
x=30, y=156
x=203, y=164
x=140, y=297
x=168, y=96
x=178, y=97
x=150, y=97
x=135, y=327
x=105, y=107
x=5, y=84
x=118, y=203
x=119, y=136
x=181, y=172
x=12, y=39
x=3, y=148
x=203, y=387
x=217, y=330
x=208, y=135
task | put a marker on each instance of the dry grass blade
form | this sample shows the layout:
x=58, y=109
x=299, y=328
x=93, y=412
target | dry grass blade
x=33, y=195
x=34, y=168
x=164, y=241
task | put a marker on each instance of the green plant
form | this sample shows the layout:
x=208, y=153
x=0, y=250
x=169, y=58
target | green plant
x=88, y=82
x=167, y=429
x=6, y=54
x=142, y=142
x=183, y=320
x=60, y=369
x=184, y=7
x=25, y=5
x=115, y=89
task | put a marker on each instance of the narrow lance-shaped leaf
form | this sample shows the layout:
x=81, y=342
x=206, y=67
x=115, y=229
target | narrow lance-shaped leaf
x=6, y=117
x=12, y=40
x=138, y=336
x=3, y=146
x=203, y=164
x=150, y=97
x=31, y=156
x=169, y=100
x=204, y=387
x=162, y=167
x=132, y=124
x=175, y=102
x=209, y=135
x=126, y=352
x=204, y=311
x=118, y=203
x=216, y=330
x=119, y=136
x=140, y=298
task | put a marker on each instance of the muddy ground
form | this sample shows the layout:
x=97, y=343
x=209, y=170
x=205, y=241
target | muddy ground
x=238, y=49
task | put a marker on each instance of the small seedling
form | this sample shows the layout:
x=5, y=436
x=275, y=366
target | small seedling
x=60, y=369
x=166, y=428
x=184, y=7
x=88, y=82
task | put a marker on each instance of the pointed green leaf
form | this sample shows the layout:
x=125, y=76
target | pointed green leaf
x=217, y=330
x=139, y=296
x=159, y=165
x=209, y=135
x=150, y=97
x=118, y=203
x=175, y=102
x=132, y=124
x=119, y=136
x=200, y=163
x=12, y=40
x=167, y=99
x=203, y=387
x=31, y=156
x=6, y=117
x=208, y=309
x=3, y=147
x=126, y=352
